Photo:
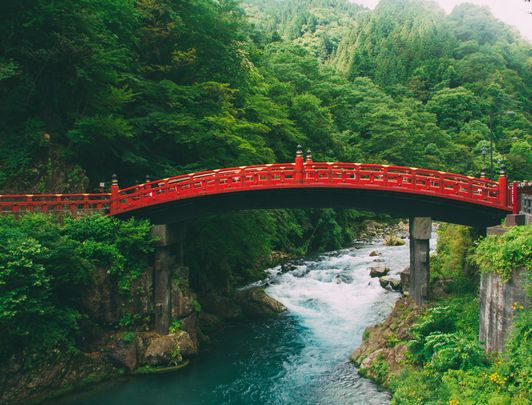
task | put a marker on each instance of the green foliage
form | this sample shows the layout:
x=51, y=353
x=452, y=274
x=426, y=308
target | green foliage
x=452, y=262
x=379, y=368
x=175, y=326
x=412, y=386
x=44, y=267
x=197, y=306
x=501, y=254
x=392, y=340
x=440, y=341
x=128, y=337
x=445, y=339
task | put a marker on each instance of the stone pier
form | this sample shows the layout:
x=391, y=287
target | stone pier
x=497, y=297
x=168, y=266
x=420, y=230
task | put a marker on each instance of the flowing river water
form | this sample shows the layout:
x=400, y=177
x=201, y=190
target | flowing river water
x=298, y=358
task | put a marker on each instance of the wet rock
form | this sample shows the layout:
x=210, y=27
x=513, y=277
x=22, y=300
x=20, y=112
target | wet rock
x=124, y=356
x=286, y=267
x=374, y=253
x=256, y=303
x=344, y=278
x=390, y=283
x=393, y=240
x=209, y=322
x=385, y=346
x=166, y=350
x=378, y=271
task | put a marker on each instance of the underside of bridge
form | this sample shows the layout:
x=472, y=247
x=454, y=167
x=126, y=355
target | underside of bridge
x=396, y=204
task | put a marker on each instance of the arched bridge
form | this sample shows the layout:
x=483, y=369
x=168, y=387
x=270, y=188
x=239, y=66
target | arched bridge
x=396, y=190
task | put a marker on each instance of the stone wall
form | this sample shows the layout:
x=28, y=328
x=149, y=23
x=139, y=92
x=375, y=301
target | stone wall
x=497, y=301
x=497, y=298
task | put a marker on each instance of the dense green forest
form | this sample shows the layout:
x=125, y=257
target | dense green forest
x=163, y=87
x=91, y=88
x=141, y=87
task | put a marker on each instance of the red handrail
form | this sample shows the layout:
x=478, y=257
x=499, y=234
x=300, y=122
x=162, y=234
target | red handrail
x=54, y=202
x=315, y=174
x=300, y=174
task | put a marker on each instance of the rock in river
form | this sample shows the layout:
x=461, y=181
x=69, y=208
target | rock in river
x=390, y=283
x=378, y=271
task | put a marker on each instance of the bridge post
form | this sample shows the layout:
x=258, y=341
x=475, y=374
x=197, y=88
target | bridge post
x=114, y=194
x=503, y=186
x=299, y=165
x=420, y=229
x=167, y=261
x=309, y=156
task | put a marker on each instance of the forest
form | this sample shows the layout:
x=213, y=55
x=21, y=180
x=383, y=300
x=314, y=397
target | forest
x=159, y=88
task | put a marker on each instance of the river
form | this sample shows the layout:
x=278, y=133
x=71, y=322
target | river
x=299, y=358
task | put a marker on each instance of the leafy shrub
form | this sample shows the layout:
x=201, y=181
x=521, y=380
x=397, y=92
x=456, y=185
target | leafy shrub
x=413, y=387
x=45, y=265
x=175, y=326
x=197, y=306
x=128, y=337
x=443, y=337
x=453, y=351
x=502, y=254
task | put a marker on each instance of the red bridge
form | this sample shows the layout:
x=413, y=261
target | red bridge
x=396, y=190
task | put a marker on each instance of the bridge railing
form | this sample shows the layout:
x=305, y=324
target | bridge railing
x=297, y=174
x=404, y=178
x=315, y=174
x=202, y=183
x=54, y=202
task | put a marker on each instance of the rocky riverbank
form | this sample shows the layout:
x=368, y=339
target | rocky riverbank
x=383, y=350
x=117, y=338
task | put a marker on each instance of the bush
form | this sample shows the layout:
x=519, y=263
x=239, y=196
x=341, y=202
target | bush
x=502, y=254
x=44, y=265
x=451, y=262
x=413, y=387
x=445, y=338
x=175, y=326
x=453, y=351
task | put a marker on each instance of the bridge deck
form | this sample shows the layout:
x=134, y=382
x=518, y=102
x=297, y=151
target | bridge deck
x=418, y=186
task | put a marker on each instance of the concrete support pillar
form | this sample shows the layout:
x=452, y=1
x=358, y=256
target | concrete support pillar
x=497, y=299
x=168, y=258
x=420, y=231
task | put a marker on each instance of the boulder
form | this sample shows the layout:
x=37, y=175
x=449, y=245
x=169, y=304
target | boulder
x=124, y=355
x=222, y=306
x=286, y=267
x=390, y=283
x=378, y=271
x=166, y=350
x=256, y=303
x=393, y=240
x=209, y=322
x=374, y=253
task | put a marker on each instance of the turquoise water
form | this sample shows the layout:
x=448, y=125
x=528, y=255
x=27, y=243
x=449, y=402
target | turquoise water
x=299, y=358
